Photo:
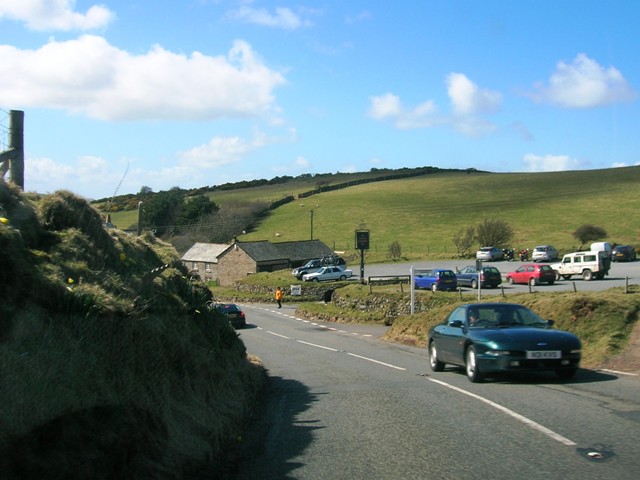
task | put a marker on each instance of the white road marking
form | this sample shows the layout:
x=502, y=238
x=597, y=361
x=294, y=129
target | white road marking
x=517, y=416
x=317, y=346
x=278, y=335
x=375, y=361
x=631, y=374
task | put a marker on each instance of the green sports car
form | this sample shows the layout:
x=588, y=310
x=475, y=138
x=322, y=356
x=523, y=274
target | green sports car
x=487, y=338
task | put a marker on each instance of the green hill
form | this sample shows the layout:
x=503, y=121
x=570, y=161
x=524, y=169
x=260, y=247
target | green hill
x=424, y=213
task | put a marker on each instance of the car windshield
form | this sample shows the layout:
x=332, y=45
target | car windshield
x=503, y=315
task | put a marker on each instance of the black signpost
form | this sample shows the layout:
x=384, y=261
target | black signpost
x=362, y=244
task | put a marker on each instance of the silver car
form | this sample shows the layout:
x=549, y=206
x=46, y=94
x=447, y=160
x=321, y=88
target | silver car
x=489, y=254
x=544, y=253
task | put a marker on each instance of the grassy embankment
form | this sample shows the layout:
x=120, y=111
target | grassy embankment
x=110, y=368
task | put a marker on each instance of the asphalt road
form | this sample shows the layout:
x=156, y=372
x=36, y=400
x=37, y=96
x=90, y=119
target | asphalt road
x=345, y=405
x=620, y=274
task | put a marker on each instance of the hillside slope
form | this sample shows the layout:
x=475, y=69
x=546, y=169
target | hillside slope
x=111, y=366
x=423, y=214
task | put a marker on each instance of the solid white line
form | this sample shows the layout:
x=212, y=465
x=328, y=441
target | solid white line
x=316, y=345
x=375, y=361
x=278, y=335
x=517, y=416
x=619, y=373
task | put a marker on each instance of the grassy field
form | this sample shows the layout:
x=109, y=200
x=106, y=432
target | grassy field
x=424, y=213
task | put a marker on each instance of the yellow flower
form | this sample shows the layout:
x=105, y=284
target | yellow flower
x=70, y=280
x=4, y=220
x=122, y=257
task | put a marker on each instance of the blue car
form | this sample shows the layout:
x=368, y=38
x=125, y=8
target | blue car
x=436, y=279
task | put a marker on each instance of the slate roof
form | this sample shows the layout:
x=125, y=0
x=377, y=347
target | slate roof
x=264, y=251
x=204, y=252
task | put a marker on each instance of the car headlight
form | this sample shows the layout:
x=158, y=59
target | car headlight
x=498, y=353
x=576, y=351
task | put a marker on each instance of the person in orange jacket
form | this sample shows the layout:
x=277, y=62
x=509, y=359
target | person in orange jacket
x=279, y=294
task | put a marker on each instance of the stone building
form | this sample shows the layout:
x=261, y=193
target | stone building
x=202, y=260
x=245, y=258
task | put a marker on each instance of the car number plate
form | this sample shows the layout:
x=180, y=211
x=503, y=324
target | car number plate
x=538, y=354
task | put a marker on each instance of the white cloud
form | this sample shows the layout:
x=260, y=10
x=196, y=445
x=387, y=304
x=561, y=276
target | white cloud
x=550, y=163
x=55, y=14
x=283, y=17
x=468, y=99
x=221, y=151
x=584, y=84
x=89, y=173
x=89, y=76
x=388, y=107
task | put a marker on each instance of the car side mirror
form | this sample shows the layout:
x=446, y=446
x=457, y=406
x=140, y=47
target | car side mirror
x=456, y=324
x=551, y=323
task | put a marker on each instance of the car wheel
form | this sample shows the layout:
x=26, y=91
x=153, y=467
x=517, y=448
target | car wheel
x=343, y=277
x=511, y=281
x=435, y=364
x=434, y=287
x=315, y=279
x=471, y=366
x=533, y=282
x=474, y=284
x=587, y=275
x=566, y=373
x=551, y=282
x=566, y=277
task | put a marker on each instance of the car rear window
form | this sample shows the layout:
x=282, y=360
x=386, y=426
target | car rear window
x=491, y=270
x=545, y=268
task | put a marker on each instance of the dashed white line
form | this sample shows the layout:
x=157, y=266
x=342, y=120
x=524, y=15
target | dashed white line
x=317, y=346
x=375, y=361
x=278, y=335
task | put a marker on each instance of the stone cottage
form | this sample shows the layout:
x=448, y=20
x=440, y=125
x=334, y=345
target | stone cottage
x=202, y=260
x=245, y=258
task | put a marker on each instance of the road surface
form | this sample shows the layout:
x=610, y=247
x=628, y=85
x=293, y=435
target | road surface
x=346, y=405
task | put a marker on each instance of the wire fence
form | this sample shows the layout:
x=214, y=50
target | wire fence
x=4, y=130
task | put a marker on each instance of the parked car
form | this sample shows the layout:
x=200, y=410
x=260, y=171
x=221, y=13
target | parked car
x=544, y=253
x=327, y=273
x=487, y=338
x=533, y=274
x=623, y=253
x=468, y=277
x=310, y=266
x=489, y=254
x=233, y=313
x=436, y=279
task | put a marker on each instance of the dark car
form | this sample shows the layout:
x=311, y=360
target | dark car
x=436, y=279
x=489, y=277
x=309, y=267
x=233, y=313
x=533, y=274
x=487, y=338
x=623, y=253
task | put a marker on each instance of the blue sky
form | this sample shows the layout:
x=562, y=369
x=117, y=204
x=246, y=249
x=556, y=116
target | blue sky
x=161, y=93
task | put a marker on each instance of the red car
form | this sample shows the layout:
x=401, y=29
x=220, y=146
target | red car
x=533, y=274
